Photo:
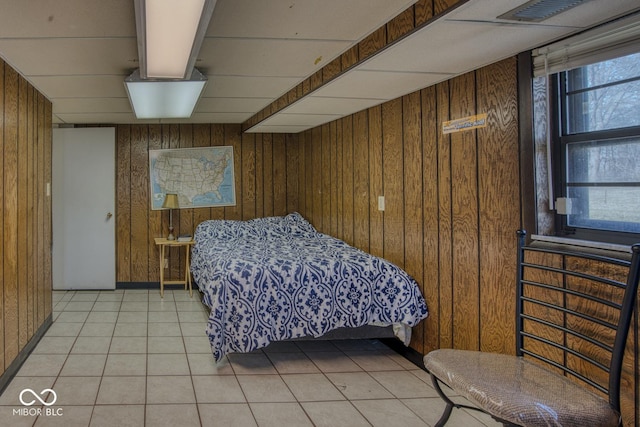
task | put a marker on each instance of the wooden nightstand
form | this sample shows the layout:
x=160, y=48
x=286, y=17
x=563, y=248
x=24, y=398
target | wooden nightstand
x=162, y=242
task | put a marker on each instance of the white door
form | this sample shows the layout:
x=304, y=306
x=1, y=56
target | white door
x=84, y=254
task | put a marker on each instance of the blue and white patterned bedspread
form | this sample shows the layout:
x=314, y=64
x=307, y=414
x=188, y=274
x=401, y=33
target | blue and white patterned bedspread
x=276, y=278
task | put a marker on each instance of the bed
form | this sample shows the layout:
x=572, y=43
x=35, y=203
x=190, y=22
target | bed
x=278, y=278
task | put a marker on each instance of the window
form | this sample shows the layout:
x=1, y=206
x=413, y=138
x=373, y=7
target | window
x=597, y=150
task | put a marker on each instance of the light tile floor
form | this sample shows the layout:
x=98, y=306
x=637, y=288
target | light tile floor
x=130, y=358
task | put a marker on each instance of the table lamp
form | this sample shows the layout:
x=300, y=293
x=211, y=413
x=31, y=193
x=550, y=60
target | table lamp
x=170, y=202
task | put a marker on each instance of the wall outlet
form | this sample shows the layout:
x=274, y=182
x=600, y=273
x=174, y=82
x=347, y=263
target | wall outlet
x=166, y=263
x=381, y=203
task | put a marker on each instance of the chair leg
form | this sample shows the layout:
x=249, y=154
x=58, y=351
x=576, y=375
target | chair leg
x=450, y=405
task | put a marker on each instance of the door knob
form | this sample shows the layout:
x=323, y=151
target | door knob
x=109, y=215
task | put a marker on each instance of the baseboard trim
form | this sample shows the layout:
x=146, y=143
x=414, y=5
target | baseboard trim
x=408, y=353
x=15, y=366
x=145, y=285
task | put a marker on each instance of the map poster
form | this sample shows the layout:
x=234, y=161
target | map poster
x=201, y=177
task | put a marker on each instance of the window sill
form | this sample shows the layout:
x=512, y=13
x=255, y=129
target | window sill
x=583, y=243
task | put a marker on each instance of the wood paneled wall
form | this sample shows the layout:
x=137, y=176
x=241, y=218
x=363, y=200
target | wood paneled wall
x=265, y=177
x=451, y=201
x=25, y=210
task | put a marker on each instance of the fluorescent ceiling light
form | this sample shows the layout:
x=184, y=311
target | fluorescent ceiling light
x=170, y=33
x=160, y=99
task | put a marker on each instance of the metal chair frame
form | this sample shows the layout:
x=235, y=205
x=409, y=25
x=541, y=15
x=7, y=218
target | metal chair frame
x=621, y=328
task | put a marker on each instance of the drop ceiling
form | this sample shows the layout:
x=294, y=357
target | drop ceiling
x=78, y=53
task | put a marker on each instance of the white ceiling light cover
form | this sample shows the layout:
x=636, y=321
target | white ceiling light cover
x=155, y=99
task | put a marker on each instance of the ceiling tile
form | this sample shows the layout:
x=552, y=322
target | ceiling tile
x=248, y=87
x=268, y=57
x=68, y=18
x=382, y=84
x=300, y=119
x=319, y=19
x=234, y=105
x=80, y=86
x=319, y=105
x=64, y=56
x=91, y=105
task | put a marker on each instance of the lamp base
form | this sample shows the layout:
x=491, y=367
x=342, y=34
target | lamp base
x=171, y=236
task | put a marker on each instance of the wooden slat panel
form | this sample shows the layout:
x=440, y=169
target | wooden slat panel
x=248, y=197
x=413, y=220
x=497, y=147
x=41, y=247
x=325, y=163
x=465, y=218
x=400, y=25
x=348, y=189
x=31, y=229
x=445, y=229
x=156, y=227
x=350, y=57
x=171, y=140
x=393, y=185
x=10, y=217
x=139, y=204
x=233, y=138
x=316, y=155
x=3, y=362
x=332, y=181
x=48, y=235
x=372, y=43
x=423, y=11
x=440, y=6
x=217, y=138
x=291, y=162
x=123, y=203
x=330, y=70
x=267, y=169
x=430, y=214
x=376, y=217
x=186, y=215
x=259, y=176
x=279, y=175
x=338, y=183
x=361, y=180
x=308, y=176
x=23, y=226
x=302, y=174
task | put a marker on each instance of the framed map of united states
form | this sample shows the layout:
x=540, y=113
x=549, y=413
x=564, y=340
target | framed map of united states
x=201, y=177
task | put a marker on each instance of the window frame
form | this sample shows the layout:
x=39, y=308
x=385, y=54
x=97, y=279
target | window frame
x=560, y=140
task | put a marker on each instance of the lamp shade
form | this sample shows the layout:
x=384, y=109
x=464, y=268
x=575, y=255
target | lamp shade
x=170, y=201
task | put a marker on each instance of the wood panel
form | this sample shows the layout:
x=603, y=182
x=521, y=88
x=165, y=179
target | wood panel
x=413, y=205
x=430, y=218
x=348, y=192
x=279, y=175
x=393, y=181
x=464, y=202
x=25, y=213
x=361, y=180
x=498, y=192
x=10, y=201
x=445, y=223
x=376, y=224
